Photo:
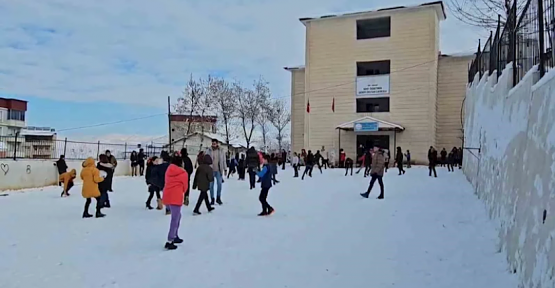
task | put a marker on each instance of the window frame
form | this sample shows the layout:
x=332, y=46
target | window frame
x=365, y=98
x=375, y=19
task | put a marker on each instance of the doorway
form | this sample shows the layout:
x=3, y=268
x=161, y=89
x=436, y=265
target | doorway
x=369, y=141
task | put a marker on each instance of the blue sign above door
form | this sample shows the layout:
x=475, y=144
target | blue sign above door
x=366, y=126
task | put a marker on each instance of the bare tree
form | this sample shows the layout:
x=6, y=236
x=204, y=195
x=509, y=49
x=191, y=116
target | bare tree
x=225, y=105
x=484, y=13
x=249, y=105
x=280, y=117
x=188, y=104
x=263, y=120
x=206, y=105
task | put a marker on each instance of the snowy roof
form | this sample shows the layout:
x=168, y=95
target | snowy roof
x=300, y=67
x=438, y=5
x=381, y=124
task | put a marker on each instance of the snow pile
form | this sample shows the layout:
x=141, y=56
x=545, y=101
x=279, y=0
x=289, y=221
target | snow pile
x=514, y=173
x=428, y=232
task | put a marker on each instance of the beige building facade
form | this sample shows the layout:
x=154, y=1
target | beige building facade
x=378, y=79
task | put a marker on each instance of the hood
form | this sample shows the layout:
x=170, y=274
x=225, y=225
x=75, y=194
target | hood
x=207, y=160
x=174, y=171
x=73, y=173
x=89, y=162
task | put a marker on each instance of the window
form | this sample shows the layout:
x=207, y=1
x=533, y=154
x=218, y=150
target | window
x=1, y=116
x=16, y=115
x=373, y=68
x=371, y=105
x=374, y=28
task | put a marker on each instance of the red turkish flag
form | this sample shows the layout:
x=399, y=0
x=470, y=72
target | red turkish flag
x=308, y=106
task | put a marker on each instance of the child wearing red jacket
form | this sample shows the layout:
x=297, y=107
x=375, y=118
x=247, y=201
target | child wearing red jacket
x=177, y=181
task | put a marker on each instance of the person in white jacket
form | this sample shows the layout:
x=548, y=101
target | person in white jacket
x=295, y=163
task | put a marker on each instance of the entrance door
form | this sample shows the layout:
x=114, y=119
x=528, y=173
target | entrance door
x=369, y=141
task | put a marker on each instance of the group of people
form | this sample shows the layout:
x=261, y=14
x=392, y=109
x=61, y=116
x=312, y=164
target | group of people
x=454, y=158
x=138, y=162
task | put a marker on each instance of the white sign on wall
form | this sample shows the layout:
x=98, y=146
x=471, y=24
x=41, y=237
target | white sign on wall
x=372, y=85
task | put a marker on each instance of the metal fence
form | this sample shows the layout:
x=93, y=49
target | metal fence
x=25, y=147
x=524, y=40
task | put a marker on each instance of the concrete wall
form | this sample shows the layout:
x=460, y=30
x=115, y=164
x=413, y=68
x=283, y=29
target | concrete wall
x=22, y=174
x=514, y=173
x=298, y=110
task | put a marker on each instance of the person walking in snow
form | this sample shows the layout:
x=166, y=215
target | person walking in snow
x=451, y=162
x=342, y=158
x=309, y=164
x=112, y=160
x=253, y=165
x=141, y=158
x=203, y=177
x=241, y=167
x=152, y=188
x=274, y=167
x=460, y=157
x=158, y=176
x=91, y=177
x=265, y=184
x=317, y=159
x=387, y=155
x=67, y=179
x=232, y=167
x=106, y=167
x=399, y=160
x=134, y=158
x=283, y=159
x=218, y=165
x=408, y=158
x=432, y=161
x=176, y=183
x=295, y=162
x=188, y=166
x=443, y=155
x=349, y=163
x=377, y=171
x=366, y=163
x=62, y=167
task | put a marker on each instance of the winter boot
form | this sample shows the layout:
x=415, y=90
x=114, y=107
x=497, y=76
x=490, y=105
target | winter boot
x=99, y=214
x=219, y=201
x=148, y=206
x=177, y=240
x=168, y=212
x=263, y=214
x=365, y=195
x=160, y=204
x=212, y=202
x=271, y=212
x=380, y=197
x=170, y=246
x=106, y=205
x=186, y=201
x=196, y=213
x=86, y=215
x=211, y=209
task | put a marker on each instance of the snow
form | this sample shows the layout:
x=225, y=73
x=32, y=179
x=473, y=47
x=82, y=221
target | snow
x=428, y=232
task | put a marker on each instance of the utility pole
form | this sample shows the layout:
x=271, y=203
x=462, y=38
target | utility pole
x=169, y=126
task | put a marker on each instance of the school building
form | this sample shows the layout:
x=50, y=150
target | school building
x=378, y=78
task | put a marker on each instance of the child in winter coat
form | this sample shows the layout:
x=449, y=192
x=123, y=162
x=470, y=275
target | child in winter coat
x=241, y=167
x=176, y=183
x=91, y=177
x=107, y=167
x=266, y=183
x=203, y=177
x=67, y=179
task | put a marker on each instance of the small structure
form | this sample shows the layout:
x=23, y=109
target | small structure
x=38, y=143
x=197, y=141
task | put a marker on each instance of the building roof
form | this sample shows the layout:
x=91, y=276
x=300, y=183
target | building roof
x=300, y=67
x=440, y=9
x=381, y=124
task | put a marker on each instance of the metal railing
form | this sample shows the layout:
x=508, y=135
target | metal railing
x=524, y=40
x=22, y=147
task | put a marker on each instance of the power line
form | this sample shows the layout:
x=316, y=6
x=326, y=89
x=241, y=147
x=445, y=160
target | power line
x=112, y=123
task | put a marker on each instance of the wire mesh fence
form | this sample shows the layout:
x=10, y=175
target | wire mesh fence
x=25, y=147
x=524, y=41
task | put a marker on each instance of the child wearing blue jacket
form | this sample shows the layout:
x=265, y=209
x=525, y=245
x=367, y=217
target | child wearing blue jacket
x=265, y=183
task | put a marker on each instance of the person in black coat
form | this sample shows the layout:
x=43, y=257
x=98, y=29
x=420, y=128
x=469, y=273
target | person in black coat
x=451, y=162
x=104, y=165
x=309, y=165
x=158, y=176
x=432, y=161
x=283, y=159
x=253, y=164
x=349, y=165
x=241, y=167
x=188, y=166
x=151, y=187
x=62, y=167
x=443, y=155
x=141, y=157
x=399, y=160
x=134, y=163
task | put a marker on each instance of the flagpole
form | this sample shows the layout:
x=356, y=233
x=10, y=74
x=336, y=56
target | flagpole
x=308, y=111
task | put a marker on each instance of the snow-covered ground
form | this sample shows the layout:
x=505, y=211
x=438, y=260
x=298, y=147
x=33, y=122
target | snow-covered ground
x=426, y=233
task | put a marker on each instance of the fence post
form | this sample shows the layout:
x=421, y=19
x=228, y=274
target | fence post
x=65, y=146
x=541, y=38
x=498, y=57
x=125, y=152
x=512, y=41
x=98, y=150
x=15, y=147
x=479, y=58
